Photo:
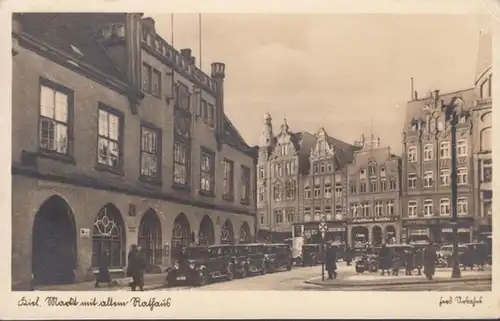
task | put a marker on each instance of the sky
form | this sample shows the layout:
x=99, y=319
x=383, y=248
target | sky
x=347, y=73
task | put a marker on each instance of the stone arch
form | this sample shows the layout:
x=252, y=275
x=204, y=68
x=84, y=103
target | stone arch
x=54, y=243
x=227, y=233
x=206, y=235
x=245, y=234
x=109, y=237
x=150, y=238
x=181, y=234
x=390, y=234
x=359, y=234
x=377, y=237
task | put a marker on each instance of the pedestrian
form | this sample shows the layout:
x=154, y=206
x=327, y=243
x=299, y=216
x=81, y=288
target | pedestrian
x=348, y=257
x=468, y=259
x=385, y=259
x=409, y=262
x=397, y=261
x=103, y=276
x=331, y=262
x=481, y=256
x=419, y=259
x=136, y=267
x=430, y=258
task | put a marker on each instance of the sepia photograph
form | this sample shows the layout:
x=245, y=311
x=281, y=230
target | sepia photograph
x=164, y=152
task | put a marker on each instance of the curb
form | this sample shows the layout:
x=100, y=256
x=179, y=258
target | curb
x=373, y=284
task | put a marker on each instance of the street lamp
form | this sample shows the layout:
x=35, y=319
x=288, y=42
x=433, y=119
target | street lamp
x=451, y=114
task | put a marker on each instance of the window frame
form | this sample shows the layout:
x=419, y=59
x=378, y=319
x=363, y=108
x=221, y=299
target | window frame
x=148, y=69
x=441, y=203
x=428, y=153
x=156, y=73
x=461, y=173
x=428, y=179
x=412, y=177
x=158, y=132
x=412, y=154
x=67, y=157
x=245, y=181
x=211, y=156
x=428, y=204
x=462, y=150
x=118, y=170
x=228, y=194
x=412, y=204
x=444, y=146
x=448, y=177
x=460, y=204
x=389, y=207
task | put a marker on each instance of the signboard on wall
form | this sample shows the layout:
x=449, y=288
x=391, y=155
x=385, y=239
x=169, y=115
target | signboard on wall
x=84, y=233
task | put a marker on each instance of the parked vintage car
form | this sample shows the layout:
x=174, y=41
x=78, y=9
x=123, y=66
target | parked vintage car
x=277, y=256
x=445, y=254
x=311, y=254
x=366, y=259
x=248, y=259
x=200, y=265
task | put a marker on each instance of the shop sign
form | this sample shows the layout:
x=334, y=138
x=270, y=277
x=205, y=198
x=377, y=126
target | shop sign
x=419, y=231
x=460, y=230
x=373, y=219
x=336, y=229
x=420, y=222
x=84, y=233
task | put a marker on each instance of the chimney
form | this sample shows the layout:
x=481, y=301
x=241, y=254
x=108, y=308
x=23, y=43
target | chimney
x=416, y=95
x=411, y=89
x=186, y=53
x=150, y=24
x=218, y=74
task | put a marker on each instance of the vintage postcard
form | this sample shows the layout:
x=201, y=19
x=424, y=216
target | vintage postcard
x=252, y=161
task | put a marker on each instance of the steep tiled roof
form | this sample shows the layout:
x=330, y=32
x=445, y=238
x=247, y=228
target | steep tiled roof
x=73, y=30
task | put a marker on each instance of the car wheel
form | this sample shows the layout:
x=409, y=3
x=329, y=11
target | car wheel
x=373, y=268
x=263, y=268
x=230, y=273
x=244, y=272
x=202, y=278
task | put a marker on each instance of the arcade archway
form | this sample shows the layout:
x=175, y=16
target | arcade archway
x=377, y=236
x=390, y=234
x=108, y=237
x=245, y=235
x=359, y=234
x=206, y=236
x=53, y=255
x=150, y=237
x=181, y=234
x=227, y=233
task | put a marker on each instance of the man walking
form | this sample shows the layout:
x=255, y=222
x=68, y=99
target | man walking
x=331, y=262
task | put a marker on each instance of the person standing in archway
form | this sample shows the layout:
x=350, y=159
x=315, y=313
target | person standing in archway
x=136, y=267
x=103, y=276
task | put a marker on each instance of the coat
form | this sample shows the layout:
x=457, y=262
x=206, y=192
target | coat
x=136, y=263
x=331, y=258
x=409, y=260
x=385, y=258
x=103, y=275
x=430, y=258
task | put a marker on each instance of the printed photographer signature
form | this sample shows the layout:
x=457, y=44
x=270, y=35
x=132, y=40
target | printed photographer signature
x=466, y=300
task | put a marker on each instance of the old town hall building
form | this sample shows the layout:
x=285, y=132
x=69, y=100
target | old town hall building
x=118, y=139
x=301, y=178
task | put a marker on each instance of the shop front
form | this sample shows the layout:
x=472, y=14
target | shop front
x=336, y=231
x=375, y=231
x=438, y=230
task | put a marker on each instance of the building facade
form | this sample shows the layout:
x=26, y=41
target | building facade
x=374, y=179
x=427, y=168
x=482, y=135
x=301, y=179
x=118, y=139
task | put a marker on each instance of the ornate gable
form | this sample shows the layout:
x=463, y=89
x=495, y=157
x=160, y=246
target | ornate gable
x=284, y=145
x=322, y=149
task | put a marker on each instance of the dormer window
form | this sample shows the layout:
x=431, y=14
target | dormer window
x=372, y=169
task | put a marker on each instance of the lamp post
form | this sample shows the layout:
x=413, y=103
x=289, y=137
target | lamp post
x=452, y=116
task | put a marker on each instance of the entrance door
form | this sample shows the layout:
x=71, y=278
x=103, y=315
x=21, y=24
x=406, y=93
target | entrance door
x=54, y=243
x=150, y=238
x=227, y=233
x=181, y=235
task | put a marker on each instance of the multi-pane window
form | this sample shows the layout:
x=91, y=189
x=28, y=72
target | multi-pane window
x=317, y=188
x=109, y=140
x=390, y=207
x=338, y=209
x=180, y=164
x=362, y=188
x=317, y=213
x=383, y=185
x=353, y=207
x=412, y=154
x=146, y=77
x=372, y=170
x=428, y=152
x=352, y=187
x=379, y=208
x=444, y=208
x=412, y=208
x=428, y=178
x=307, y=214
x=462, y=206
x=207, y=172
x=366, y=209
x=444, y=150
x=150, y=152
x=412, y=180
x=228, y=179
x=373, y=186
x=54, y=120
x=328, y=189
x=290, y=215
x=277, y=192
x=392, y=184
x=183, y=97
x=204, y=110
x=338, y=190
x=307, y=192
x=290, y=189
x=487, y=171
x=445, y=177
x=261, y=194
x=428, y=208
x=156, y=83
x=462, y=149
x=462, y=176
x=245, y=184
x=278, y=216
x=211, y=115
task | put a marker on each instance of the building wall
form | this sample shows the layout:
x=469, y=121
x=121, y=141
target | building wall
x=86, y=187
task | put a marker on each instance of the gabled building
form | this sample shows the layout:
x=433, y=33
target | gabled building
x=118, y=139
x=374, y=189
x=301, y=179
